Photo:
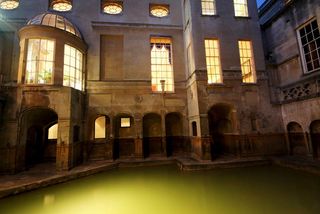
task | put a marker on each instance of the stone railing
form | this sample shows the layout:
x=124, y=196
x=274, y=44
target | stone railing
x=301, y=90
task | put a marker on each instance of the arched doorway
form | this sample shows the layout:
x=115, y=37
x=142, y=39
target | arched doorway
x=152, y=135
x=220, y=123
x=39, y=134
x=297, y=142
x=174, y=138
x=315, y=138
x=124, y=146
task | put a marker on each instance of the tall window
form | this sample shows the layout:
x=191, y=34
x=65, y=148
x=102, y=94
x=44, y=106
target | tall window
x=240, y=8
x=309, y=39
x=213, y=61
x=247, y=62
x=161, y=64
x=73, y=68
x=208, y=7
x=40, y=59
x=100, y=127
x=53, y=132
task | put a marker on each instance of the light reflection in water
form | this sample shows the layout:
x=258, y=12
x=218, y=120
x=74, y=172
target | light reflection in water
x=164, y=189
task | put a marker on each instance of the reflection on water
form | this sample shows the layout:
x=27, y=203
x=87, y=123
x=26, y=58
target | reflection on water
x=165, y=189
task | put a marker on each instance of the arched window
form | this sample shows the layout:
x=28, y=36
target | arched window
x=40, y=60
x=100, y=127
x=53, y=132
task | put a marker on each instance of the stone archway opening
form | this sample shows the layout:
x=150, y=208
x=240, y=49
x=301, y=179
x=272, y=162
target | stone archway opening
x=315, y=138
x=297, y=144
x=174, y=139
x=39, y=135
x=152, y=135
x=220, y=124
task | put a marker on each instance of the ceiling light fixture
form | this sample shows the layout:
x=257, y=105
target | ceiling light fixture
x=9, y=4
x=61, y=5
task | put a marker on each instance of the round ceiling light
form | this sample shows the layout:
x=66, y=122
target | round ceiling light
x=9, y=4
x=112, y=8
x=159, y=10
x=61, y=5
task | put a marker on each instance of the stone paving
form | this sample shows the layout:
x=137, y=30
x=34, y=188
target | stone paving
x=44, y=175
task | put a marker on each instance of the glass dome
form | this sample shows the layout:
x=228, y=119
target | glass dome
x=53, y=20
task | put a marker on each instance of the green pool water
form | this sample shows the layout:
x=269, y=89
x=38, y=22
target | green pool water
x=165, y=189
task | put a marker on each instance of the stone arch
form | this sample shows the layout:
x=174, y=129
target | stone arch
x=174, y=134
x=152, y=135
x=297, y=144
x=124, y=136
x=34, y=126
x=221, y=122
x=315, y=138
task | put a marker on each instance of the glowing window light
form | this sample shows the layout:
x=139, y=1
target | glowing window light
x=159, y=10
x=240, y=8
x=213, y=61
x=100, y=127
x=40, y=61
x=53, y=132
x=61, y=5
x=73, y=68
x=125, y=122
x=208, y=7
x=161, y=64
x=112, y=8
x=9, y=4
x=247, y=62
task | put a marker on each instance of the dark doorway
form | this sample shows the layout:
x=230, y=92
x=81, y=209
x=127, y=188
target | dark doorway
x=315, y=138
x=40, y=146
x=174, y=139
x=152, y=135
x=220, y=123
x=296, y=139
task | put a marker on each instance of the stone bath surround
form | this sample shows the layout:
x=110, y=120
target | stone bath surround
x=45, y=175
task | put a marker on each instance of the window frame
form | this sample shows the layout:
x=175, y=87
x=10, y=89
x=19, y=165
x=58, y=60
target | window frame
x=214, y=7
x=105, y=127
x=301, y=50
x=26, y=61
x=219, y=57
x=253, y=64
x=235, y=11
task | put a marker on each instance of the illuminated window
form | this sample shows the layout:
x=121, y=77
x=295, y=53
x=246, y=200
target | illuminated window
x=240, y=8
x=112, y=7
x=9, y=4
x=208, y=7
x=53, y=132
x=72, y=70
x=100, y=127
x=125, y=122
x=61, y=5
x=40, y=60
x=159, y=10
x=309, y=41
x=161, y=64
x=247, y=62
x=213, y=61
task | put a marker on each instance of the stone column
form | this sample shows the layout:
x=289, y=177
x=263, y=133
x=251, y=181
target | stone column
x=64, y=145
x=206, y=139
x=138, y=142
x=163, y=135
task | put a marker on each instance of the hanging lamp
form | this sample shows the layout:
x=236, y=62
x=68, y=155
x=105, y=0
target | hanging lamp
x=9, y=4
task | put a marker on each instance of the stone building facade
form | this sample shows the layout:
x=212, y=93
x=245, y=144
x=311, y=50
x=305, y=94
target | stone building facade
x=292, y=47
x=139, y=79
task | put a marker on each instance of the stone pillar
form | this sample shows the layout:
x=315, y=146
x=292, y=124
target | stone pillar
x=206, y=139
x=138, y=142
x=289, y=152
x=163, y=135
x=308, y=140
x=64, y=146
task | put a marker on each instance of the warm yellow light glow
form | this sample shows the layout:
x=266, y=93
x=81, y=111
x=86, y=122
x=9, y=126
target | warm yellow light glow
x=100, y=127
x=53, y=132
x=247, y=62
x=72, y=70
x=159, y=10
x=161, y=64
x=125, y=122
x=9, y=4
x=112, y=8
x=208, y=7
x=40, y=60
x=213, y=61
x=240, y=8
x=62, y=6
